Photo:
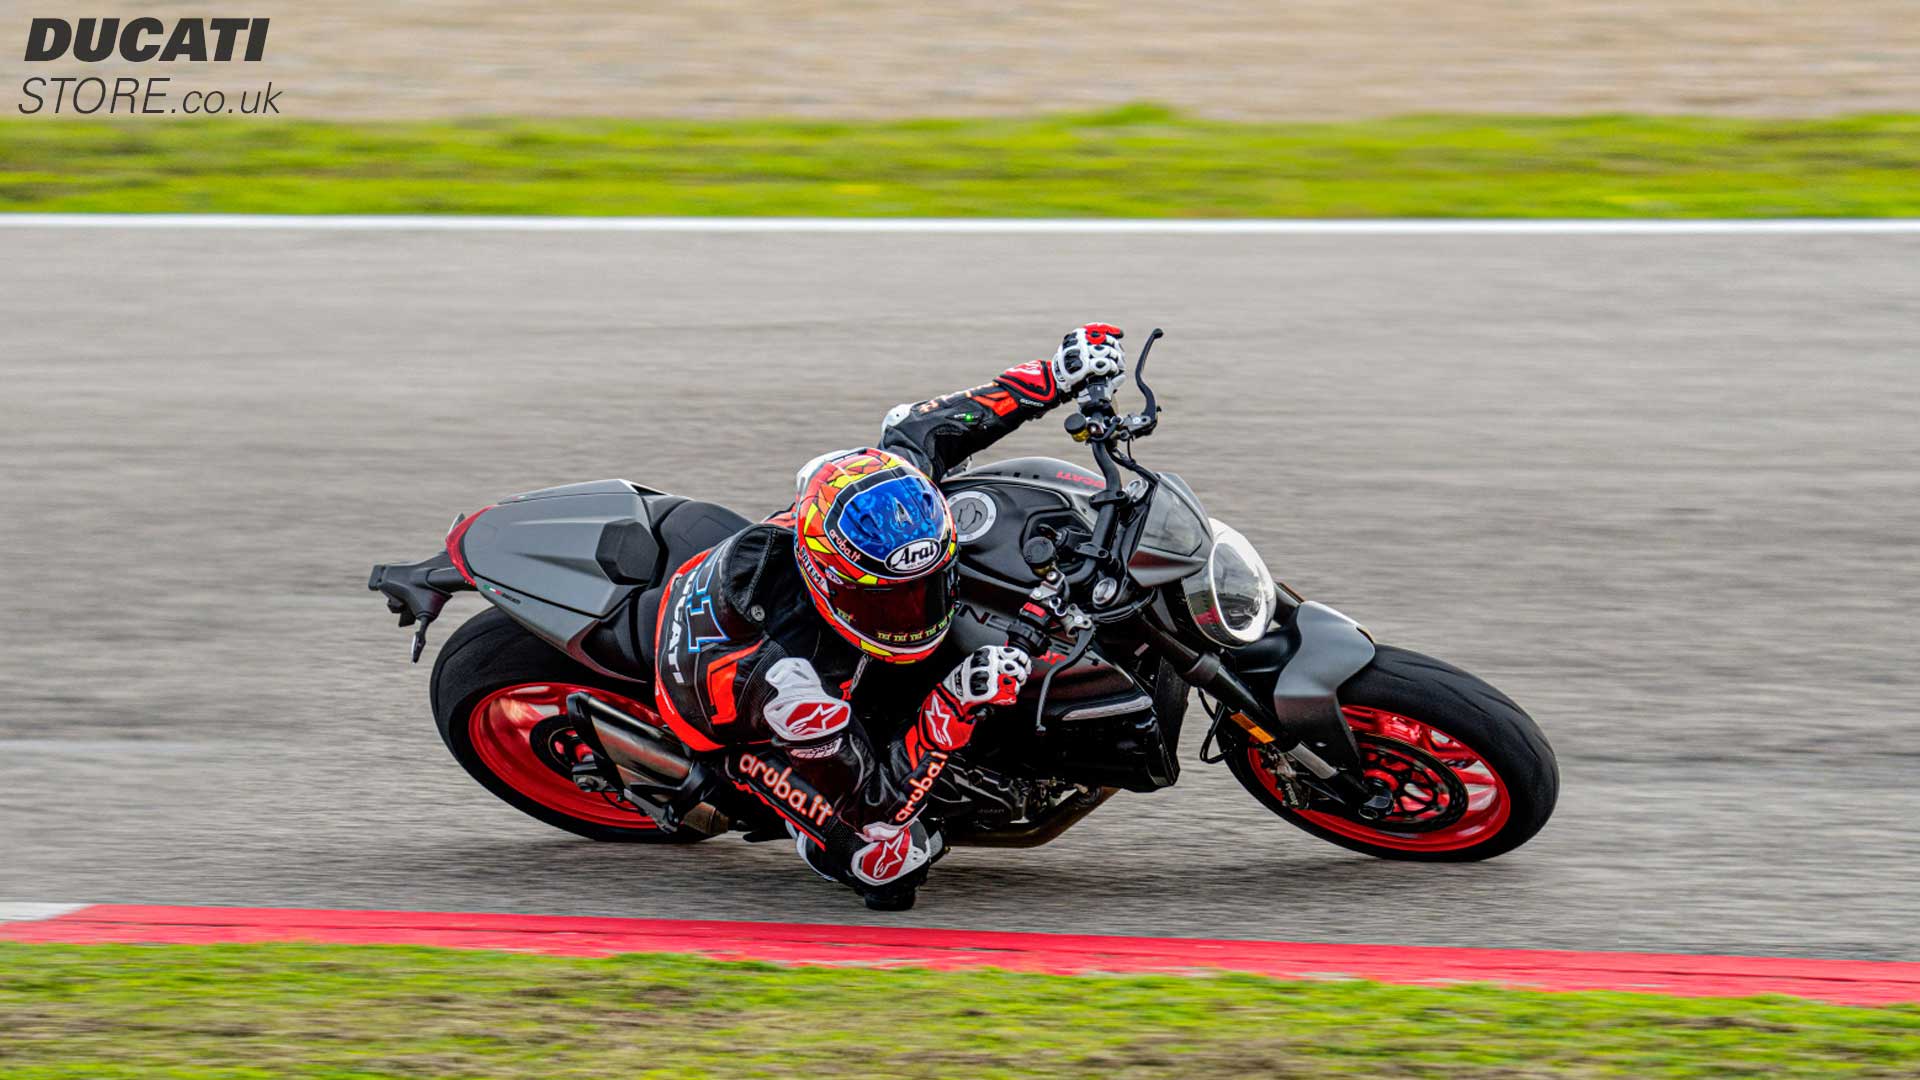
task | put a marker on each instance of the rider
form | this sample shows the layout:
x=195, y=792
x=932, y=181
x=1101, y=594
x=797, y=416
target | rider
x=764, y=641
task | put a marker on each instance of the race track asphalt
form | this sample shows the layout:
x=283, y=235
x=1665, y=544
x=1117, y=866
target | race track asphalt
x=1664, y=490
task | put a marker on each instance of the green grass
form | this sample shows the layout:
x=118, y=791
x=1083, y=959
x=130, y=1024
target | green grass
x=1140, y=161
x=246, y=1012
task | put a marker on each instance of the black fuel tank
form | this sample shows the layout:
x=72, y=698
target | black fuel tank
x=998, y=507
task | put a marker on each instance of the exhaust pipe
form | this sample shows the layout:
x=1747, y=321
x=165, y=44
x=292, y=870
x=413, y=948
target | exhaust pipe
x=646, y=756
x=632, y=742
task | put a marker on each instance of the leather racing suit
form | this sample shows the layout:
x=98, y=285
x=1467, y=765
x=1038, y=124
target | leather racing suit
x=749, y=673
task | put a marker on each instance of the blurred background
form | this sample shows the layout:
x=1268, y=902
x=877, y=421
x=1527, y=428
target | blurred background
x=1661, y=488
x=1224, y=59
x=1323, y=108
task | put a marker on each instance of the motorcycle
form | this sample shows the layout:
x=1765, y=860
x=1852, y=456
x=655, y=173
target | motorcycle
x=1131, y=599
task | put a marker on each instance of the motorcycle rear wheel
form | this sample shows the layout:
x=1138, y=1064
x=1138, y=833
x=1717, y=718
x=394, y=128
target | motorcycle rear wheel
x=1472, y=775
x=499, y=700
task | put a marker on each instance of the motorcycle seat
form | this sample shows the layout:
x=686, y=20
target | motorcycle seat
x=692, y=527
x=687, y=529
x=634, y=552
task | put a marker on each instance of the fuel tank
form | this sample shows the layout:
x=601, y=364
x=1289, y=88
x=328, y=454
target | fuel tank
x=999, y=507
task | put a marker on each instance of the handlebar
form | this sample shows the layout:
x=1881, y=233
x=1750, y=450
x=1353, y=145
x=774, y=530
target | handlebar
x=1097, y=424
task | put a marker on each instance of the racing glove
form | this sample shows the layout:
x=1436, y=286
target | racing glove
x=1088, y=352
x=993, y=675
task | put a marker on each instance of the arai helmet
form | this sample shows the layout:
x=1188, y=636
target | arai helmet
x=875, y=543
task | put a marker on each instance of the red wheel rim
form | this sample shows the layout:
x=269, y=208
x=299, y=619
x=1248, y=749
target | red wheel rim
x=503, y=728
x=1487, y=805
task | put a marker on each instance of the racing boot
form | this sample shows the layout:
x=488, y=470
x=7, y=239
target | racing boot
x=885, y=864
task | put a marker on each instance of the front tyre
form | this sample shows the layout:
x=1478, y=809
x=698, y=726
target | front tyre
x=1471, y=773
x=499, y=699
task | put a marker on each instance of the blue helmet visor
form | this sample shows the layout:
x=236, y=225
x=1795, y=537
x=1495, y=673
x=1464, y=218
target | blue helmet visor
x=901, y=524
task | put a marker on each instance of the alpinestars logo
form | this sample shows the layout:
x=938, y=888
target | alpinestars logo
x=139, y=41
x=888, y=858
x=808, y=719
x=939, y=718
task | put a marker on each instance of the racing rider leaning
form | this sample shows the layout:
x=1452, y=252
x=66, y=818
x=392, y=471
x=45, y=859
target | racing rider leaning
x=765, y=642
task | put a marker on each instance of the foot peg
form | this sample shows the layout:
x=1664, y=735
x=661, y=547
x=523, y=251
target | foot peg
x=669, y=804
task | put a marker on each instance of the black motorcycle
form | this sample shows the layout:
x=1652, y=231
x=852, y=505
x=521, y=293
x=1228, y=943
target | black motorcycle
x=1128, y=596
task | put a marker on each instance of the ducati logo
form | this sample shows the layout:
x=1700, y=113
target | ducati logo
x=913, y=555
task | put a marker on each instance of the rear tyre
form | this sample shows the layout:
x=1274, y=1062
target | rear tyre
x=1472, y=774
x=499, y=700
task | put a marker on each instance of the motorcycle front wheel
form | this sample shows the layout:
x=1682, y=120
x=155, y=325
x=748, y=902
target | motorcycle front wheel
x=1472, y=777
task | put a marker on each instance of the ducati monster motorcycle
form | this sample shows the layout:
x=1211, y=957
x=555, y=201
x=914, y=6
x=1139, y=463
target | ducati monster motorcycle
x=1132, y=601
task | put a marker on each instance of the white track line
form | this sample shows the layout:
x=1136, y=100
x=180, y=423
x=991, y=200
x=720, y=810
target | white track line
x=18, y=912
x=1402, y=227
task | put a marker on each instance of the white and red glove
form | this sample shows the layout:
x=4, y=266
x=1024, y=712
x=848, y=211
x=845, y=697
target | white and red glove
x=1089, y=352
x=993, y=675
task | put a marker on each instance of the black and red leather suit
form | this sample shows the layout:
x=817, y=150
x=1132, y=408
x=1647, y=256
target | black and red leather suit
x=749, y=672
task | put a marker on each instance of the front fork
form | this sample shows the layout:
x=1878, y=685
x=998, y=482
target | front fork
x=1302, y=720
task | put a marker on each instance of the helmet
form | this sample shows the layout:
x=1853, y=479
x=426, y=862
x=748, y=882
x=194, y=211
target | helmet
x=875, y=543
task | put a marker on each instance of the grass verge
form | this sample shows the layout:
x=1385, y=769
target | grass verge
x=357, y=1013
x=1140, y=161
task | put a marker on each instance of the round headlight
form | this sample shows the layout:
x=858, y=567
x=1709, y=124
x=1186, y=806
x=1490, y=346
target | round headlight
x=1232, y=601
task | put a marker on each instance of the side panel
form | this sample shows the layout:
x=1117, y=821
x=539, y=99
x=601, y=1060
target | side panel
x=1102, y=728
x=563, y=628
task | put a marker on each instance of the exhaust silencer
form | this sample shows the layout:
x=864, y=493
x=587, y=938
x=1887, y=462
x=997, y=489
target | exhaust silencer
x=645, y=756
x=634, y=743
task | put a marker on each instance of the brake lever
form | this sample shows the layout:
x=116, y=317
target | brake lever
x=1148, y=418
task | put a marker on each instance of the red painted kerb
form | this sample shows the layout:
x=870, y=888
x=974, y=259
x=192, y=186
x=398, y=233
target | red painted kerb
x=1851, y=982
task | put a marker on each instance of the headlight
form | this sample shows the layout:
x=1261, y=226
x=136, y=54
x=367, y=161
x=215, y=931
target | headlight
x=1231, y=601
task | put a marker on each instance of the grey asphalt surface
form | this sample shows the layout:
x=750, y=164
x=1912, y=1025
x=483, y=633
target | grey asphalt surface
x=1665, y=491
